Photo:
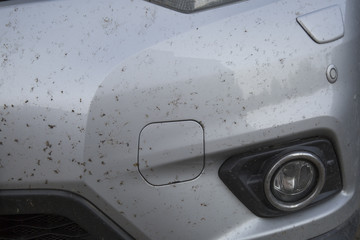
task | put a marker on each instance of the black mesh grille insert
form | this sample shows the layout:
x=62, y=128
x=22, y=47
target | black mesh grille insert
x=40, y=227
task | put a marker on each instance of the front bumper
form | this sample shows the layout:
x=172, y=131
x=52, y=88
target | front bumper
x=81, y=79
x=347, y=230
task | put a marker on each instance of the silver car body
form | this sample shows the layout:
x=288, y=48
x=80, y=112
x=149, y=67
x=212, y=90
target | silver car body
x=82, y=81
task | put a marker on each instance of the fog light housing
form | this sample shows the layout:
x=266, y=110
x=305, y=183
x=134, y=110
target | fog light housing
x=294, y=181
x=245, y=175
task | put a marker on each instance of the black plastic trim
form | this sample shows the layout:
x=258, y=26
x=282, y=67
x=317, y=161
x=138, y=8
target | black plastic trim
x=65, y=204
x=244, y=174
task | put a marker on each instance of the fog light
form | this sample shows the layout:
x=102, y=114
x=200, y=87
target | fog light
x=294, y=181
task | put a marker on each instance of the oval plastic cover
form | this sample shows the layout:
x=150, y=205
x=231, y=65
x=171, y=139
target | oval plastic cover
x=323, y=26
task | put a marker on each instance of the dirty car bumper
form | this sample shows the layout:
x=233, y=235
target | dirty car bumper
x=102, y=98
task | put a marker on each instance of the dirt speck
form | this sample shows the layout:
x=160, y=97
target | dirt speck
x=47, y=143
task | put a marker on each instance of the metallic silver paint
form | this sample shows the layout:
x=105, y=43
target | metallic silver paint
x=77, y=79
x=324, y=25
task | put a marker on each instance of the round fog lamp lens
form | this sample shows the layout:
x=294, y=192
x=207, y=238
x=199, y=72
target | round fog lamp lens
x=294, y=180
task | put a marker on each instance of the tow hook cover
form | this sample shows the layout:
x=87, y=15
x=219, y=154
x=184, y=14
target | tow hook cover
x=171, y=152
